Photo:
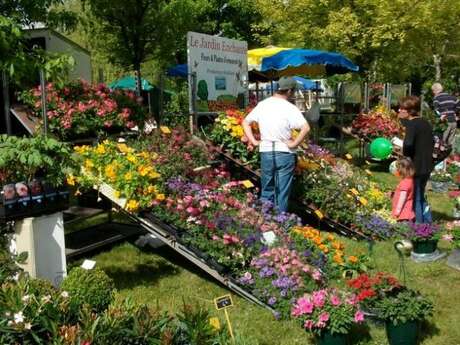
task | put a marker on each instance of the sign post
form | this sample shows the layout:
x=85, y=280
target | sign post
x=225, y=302
x=218, y=74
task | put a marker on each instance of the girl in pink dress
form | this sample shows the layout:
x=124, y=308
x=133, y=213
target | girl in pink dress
x=403, y=198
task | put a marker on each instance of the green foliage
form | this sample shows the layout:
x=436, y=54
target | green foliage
x=406, y=305
x=26, y=158
x=177, y=109
x=91, y=287
x=9, y=261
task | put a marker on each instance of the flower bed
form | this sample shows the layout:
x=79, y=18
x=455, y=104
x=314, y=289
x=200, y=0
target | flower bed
x=78, y=109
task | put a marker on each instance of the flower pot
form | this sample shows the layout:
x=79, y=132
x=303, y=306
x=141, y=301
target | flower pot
x=327, y=338
x=439, y=187
x=402, y=334
x=424, y=247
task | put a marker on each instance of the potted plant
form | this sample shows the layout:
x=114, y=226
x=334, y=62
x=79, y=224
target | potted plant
x=403, y=313
x=440, y=181
x=328, y=314
x=424, y=237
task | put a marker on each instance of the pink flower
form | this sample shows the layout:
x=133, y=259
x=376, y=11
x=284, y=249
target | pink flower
x=303, y=306
x=193, y=211
x=335, y=300
x=108, y=124
x=352, y=300
x=308, y=324
x=319, y=297
x=204, y=203
x=320, y=324
x=324, y=317
x=180, y=207
x=215, y=238
x=247, y=276
x=316, y=275
x=359, y=316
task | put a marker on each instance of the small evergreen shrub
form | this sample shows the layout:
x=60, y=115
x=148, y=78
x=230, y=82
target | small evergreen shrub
x=91, y=287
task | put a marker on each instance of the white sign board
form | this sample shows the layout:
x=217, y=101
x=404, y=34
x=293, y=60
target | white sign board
x=219, y=67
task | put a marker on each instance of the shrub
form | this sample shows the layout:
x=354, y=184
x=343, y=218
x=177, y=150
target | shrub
x=91, y=287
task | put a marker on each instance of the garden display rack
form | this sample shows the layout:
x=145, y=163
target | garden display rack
x=302, y=207
x=166, y=233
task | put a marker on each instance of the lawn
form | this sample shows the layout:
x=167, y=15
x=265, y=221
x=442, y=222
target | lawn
x=162, y=277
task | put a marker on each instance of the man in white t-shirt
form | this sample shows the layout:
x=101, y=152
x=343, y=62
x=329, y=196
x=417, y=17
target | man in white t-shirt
x=276, y=118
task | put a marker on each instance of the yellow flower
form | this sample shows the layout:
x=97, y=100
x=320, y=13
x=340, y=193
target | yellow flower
x=154, y=174
x=144, y=170
x=71, y=180
x=89, y=164
x=353, y=259
x=111, y=172
x=128, y=176
x=100, y=149
x=132, y=205
x=152, y=189
x=131, y=158
x=117, y=194
x=160, y=197
x=81, y=149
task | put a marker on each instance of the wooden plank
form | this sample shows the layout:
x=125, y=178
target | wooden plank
x=30, y=123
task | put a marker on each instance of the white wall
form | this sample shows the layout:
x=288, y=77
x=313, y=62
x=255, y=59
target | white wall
x=59, y=44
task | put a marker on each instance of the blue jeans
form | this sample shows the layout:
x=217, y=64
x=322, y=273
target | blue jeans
x=277, y=176
x=421, y=208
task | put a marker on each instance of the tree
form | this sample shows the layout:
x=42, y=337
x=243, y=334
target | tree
x=134, y=31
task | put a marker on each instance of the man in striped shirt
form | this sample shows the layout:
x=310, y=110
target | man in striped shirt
x=447, y=107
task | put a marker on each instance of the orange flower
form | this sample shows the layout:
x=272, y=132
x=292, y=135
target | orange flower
x=353, y=259
x=323, y=248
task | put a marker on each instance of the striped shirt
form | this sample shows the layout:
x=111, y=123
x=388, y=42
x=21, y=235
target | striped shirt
x=445, y=104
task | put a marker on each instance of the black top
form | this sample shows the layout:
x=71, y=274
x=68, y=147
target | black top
x=418, y=145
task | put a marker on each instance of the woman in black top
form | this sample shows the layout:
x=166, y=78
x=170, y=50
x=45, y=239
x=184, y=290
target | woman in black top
x=418, y=145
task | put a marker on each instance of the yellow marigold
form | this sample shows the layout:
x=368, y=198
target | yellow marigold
x=323, y=248
x=152, y=189
x=71, y=180
x=160, y=197
x=144, y=170
x=338, y=259
x=317, y=240
x=128, y=176
x=111, y=172
x=353, y=259
x=132, y=205
x=337, y=245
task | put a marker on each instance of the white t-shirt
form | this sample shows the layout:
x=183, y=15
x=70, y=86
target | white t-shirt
x=276, y=118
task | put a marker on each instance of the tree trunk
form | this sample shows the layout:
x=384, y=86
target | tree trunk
x=437, y=66
x=138, y=80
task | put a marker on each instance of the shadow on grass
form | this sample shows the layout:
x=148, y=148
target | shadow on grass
x=359, y=335
x=441, y=216
x=428, y=330
x=140, y=274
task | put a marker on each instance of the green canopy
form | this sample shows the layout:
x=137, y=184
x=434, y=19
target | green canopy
x=130, y=83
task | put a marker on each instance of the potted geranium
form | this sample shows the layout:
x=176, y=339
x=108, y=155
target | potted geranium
x=328, y=314
x=403, y=313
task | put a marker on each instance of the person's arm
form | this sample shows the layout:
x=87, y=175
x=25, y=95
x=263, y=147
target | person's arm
x=400, y=203
x=248, y=132
x=409, y=141
x=293, y=143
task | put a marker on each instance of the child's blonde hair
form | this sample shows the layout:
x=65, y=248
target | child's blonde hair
x=405, y=167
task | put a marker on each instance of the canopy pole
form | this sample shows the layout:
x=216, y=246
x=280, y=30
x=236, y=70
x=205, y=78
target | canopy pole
x=6, y=102
x=43, y=99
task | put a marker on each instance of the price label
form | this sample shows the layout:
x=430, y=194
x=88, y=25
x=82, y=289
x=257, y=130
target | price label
x=223, y=302
x=348, y=156
x=165, y=130
x=247, y=184
x=319, y=214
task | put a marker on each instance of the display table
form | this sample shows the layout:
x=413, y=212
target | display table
x=43, y=239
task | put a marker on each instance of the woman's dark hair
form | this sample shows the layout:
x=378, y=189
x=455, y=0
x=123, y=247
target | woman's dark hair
x=411, y=104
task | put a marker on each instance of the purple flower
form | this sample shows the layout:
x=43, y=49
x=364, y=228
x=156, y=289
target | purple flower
x=271, y=300
x=266, y=272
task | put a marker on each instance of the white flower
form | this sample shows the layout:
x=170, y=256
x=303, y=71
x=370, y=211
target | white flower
x=64, y=294
x=7, y=314
x=46, y=298
x=28, y=325
x=16, y=277
x=26, y=298
x=18, y=317
x=10, y=323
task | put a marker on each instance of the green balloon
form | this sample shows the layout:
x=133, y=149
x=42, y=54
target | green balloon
x=381, y=148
